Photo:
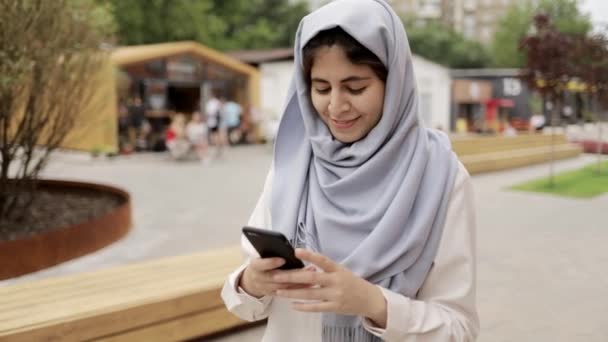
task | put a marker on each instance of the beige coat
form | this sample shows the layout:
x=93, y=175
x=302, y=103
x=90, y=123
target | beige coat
x=444, y=309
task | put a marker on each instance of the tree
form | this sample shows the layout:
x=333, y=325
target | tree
x=550, y=66
x=517, y=22
x=154, y=21
x=259, y=23
x=220, y=24
x=49, y=52
x=443, y=45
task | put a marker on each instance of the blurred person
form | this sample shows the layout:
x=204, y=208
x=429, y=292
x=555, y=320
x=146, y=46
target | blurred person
x=508, y=130
x=137, y=116
x=537, y=122
x=215, y=122
x=124, y=145
x=378, y=206
x=246, y=126
x=143, y=143
x=196, y=131
x=250, y=122
x=567, y=111
x=232, y=120
x=176, y=139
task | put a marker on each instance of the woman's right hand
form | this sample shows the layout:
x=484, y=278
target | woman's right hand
x=257, y=281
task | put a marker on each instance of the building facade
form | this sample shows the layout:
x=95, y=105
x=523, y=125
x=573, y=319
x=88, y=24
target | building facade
x=475, y=19
x=484, y=99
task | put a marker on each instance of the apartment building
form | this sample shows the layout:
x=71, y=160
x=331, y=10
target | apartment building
x=475, y=19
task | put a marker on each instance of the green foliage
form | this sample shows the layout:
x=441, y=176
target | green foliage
x=48, y=61
x=100, y=15
x=443, y=45
x=154, y=21
x=517, y=22
x=220, y=24
x=582, y=183
x=536, y=103
x=566, y=16
x=511, y=28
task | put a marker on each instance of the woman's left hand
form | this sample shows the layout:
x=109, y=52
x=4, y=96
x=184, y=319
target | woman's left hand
x=337, y=289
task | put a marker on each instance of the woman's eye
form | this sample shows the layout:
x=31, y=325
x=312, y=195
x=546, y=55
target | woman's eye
x=356, y=91
x=323, y=91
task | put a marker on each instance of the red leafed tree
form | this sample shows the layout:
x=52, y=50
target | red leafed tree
x=550, y=66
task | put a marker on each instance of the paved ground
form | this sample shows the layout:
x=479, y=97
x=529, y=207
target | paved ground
x=178, y=207
x=542, y=259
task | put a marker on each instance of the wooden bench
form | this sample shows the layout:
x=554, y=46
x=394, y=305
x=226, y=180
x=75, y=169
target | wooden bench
x=492, y=153
x=170, y=299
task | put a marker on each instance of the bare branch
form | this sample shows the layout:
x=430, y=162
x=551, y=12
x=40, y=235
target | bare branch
x=50, y=52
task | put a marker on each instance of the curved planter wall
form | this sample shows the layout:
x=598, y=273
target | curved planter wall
x=33, y=253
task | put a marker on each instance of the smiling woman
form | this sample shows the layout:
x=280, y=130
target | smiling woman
x=379, y=206
x=346, y=84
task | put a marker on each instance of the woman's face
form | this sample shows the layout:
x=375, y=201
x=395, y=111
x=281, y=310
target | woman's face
x=348, y=97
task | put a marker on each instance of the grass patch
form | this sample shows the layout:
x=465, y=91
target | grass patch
x=582, y=183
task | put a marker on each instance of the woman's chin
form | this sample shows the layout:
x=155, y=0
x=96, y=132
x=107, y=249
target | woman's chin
x=346, y=137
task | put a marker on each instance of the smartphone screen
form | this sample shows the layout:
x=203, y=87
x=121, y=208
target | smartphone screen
x=271, y=244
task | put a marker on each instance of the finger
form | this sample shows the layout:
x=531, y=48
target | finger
x=309, y=293
x=272, y=288
x=314, y=307
x=297, y=286
x=325, y=263
x=302, y=277
x=266, y=264
x=310, y=268
x=267, y=277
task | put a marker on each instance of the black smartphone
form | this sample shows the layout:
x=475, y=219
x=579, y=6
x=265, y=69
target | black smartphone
x=270, y=244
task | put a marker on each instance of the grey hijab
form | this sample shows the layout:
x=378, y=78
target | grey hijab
x=376, y=206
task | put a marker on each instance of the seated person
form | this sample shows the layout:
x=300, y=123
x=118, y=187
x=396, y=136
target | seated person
x=175, y=137
x=196, y=132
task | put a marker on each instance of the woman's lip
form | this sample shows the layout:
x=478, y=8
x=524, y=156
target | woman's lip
x=343, y=124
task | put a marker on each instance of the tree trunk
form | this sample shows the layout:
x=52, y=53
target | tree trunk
x=599, y=143
x=552, y=122
x=598, y=124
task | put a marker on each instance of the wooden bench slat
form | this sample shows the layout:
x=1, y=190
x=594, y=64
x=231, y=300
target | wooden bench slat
x=144, y=277
x=93, y=303
x=482, y=144
x=185, y=261
x=141, y=293
x=517, y=153
x=121, y=321
x=185, y=327
x=517, y=158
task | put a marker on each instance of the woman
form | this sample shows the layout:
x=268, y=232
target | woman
x=196, y=131
x=380, y=207
x=175, y=137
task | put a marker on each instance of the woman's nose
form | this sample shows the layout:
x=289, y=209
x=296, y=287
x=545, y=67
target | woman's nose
x=338, y=104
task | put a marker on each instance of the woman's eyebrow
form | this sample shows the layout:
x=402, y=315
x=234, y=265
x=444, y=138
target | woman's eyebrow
x=316, y=79
x=348, y=79
x=354, y=79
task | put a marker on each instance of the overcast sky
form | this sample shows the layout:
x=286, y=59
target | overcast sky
x=598, y=10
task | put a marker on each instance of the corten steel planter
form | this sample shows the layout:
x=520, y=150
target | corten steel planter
x=36, y=252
